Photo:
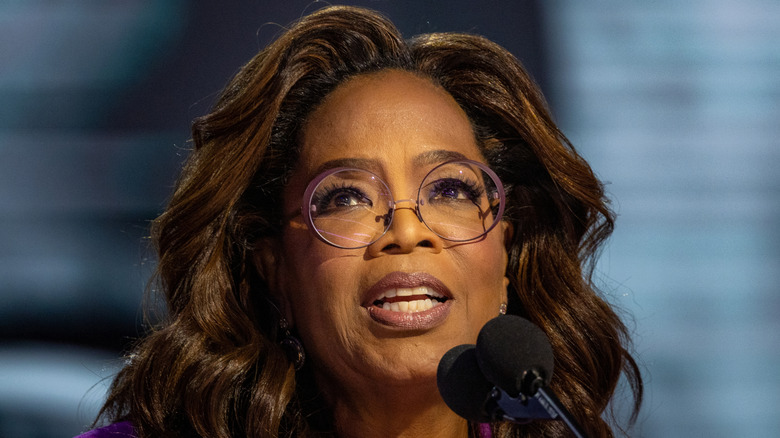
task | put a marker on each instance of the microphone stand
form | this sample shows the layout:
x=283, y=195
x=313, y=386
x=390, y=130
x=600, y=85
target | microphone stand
x=542, y=404
x=548, y=399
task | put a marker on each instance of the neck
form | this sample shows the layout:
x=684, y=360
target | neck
x=397, y=412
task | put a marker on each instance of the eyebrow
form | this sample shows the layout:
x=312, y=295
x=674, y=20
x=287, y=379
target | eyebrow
x=358, y=163
x=425, y=158
x=436, y=157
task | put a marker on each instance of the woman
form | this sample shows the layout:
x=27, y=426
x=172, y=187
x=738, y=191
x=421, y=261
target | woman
x=341, y=224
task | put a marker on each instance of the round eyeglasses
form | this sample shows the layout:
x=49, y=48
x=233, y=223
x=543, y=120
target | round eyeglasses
x=350, y=208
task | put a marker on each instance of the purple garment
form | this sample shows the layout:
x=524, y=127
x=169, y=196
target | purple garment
x=117, y=430
x=484, y=430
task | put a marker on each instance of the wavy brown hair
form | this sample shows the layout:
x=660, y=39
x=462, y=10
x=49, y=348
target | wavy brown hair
x=214, y=368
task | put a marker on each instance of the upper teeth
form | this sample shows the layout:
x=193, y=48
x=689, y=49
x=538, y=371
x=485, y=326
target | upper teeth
x=411, y=306
x=410, y=291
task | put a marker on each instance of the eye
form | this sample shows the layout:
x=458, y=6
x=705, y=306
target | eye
x=333, y=199
x=454, y=189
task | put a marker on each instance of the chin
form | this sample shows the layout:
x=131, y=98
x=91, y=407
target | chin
x=412, y=365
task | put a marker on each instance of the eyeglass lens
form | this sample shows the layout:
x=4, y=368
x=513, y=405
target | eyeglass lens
x=352, y=208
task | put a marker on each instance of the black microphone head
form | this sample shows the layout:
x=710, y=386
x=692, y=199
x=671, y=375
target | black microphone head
x=509, y=349
x=462, y=385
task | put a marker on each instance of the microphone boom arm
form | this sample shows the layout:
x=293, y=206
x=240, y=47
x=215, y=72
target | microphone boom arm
x=551, y=403
x=543, y=405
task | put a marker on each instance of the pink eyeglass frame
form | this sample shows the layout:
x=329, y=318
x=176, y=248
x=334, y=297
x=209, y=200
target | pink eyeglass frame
x=310, y=188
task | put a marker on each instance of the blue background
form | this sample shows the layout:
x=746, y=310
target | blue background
x=675, y=104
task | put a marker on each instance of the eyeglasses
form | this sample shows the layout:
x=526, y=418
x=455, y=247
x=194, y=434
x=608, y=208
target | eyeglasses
x=349, y=208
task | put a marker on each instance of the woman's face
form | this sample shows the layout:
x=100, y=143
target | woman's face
x=399, y=126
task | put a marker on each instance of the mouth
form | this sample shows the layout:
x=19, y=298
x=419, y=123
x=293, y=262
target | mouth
x=409, y=300
x=401, y=300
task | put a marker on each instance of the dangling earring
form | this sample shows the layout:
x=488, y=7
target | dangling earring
x=502, y=309
x=292, y=346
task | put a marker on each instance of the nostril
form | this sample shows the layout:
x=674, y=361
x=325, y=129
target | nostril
x=395, y=246
x=425, y=244
x=391, y=247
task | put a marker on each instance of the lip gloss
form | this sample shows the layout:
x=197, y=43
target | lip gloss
x=413, y=321
x=420, y=320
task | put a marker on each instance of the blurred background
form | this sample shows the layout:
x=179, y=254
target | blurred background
x=675, y=104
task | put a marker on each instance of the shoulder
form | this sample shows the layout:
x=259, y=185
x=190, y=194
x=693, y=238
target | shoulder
x=117, y=430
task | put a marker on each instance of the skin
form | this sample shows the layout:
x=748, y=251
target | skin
x=379, y=379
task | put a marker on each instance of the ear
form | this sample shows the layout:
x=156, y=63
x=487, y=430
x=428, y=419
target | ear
x=509, y=232
x=268, y=260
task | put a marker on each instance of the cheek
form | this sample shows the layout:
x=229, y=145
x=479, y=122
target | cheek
x=485, y=264
x=317, y=281
x=323, y=302
x=488, y=258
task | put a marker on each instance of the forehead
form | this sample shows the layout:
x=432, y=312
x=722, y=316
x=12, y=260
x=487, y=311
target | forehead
x=389, y=118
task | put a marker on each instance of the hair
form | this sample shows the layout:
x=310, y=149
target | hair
x=214, y=368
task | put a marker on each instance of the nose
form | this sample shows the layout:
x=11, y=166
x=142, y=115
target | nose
x=407, y=233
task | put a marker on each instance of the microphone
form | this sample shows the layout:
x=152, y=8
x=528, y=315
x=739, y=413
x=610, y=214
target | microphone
x=504, y=376
x=469, y=394
x=515, y=354
x=462, y=385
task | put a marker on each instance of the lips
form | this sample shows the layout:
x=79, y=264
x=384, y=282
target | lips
x=408, y=300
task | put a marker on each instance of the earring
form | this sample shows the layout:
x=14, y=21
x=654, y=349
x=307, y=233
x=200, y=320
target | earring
x=502, y=309
x=292, y=346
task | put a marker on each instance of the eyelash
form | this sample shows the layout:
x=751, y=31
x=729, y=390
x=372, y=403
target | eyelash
x=471, y=188
x=323, y=198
